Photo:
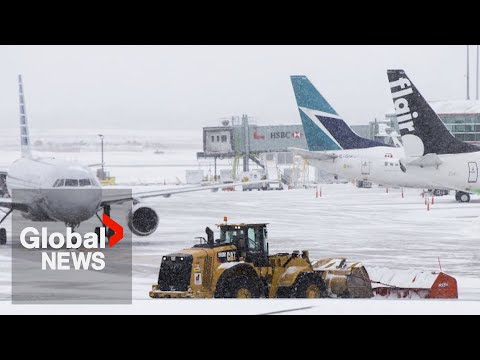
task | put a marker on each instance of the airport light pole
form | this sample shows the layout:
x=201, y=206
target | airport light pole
x=468, y=72
x=103, y=163
x=478, y=68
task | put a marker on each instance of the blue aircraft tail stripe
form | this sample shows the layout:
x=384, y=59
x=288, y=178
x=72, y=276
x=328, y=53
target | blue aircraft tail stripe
x=317, y=140
x=345, y=136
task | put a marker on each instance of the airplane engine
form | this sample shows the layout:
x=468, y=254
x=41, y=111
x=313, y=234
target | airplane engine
x=142, y=220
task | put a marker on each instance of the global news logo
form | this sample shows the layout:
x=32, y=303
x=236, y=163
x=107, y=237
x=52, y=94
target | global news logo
x=72, y=251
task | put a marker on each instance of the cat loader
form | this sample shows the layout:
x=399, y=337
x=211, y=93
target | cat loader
x=238, y=265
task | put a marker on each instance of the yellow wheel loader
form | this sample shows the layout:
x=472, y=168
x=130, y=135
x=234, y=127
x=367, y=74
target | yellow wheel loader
x=238, y=265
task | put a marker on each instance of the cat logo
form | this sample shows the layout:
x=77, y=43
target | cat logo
x=227, y=256
x=231, y=256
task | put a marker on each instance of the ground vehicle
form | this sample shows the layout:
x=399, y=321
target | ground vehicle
x=254, y=176
x=238, y=265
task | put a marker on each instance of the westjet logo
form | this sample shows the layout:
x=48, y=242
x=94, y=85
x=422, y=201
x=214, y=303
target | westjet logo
x=72, y=251
x=402, y=109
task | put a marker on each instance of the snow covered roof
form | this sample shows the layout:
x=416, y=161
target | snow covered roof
x=444, y=107
x=456, y=107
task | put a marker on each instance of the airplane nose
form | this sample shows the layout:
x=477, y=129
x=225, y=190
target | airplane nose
x=74, y=205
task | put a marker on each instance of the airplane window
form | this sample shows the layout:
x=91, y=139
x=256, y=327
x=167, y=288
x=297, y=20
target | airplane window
x=386, y=163
x=61, y=183
x=56, y=182
x=71, y=183
x=85, y=182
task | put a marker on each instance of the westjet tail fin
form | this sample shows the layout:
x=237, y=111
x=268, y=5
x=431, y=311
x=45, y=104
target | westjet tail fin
x=24, y=130
x=324, y=128
x=423, y=132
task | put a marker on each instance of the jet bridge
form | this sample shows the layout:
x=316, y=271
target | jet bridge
x=241, y=138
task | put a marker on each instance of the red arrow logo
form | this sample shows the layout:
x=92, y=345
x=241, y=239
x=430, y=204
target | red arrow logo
x=117, y=228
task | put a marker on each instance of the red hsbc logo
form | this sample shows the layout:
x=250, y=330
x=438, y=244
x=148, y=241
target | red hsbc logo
x=258, y=137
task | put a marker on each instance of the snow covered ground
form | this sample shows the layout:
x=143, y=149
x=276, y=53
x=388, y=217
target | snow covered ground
x=378, y=228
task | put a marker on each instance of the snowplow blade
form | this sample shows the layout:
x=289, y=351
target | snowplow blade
x=408, y=284
x=344, y=279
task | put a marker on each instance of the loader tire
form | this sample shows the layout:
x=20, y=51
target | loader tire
x=309, y=286
x=239, y=287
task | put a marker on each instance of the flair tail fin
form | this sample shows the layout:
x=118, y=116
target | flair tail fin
x=324, y=128
x=24, y=129
x=423, y=132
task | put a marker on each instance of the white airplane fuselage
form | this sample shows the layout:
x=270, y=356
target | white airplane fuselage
x=379, y=165
x=54, y=190
x=457, y=171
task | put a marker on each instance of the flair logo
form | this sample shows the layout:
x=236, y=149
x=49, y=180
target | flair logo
x=402, y=109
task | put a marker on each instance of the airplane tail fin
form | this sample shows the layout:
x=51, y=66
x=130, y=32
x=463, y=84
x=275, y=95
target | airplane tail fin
x=324, y=128
x=24, y=129
x=423, y=132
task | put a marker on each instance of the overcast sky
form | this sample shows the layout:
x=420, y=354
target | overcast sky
x=190, y=86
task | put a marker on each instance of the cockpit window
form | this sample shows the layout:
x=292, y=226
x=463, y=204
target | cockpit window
x=85, y=182
x=59, y=183
x=71, y=183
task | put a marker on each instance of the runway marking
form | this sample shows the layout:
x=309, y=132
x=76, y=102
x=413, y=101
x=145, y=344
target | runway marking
x=288, y=310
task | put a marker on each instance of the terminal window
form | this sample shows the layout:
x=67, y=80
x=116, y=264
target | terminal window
x=224, y=138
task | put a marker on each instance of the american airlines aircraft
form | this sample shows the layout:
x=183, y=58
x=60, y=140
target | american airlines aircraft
x=431, y=151
x=69, y=192
x=336, y=149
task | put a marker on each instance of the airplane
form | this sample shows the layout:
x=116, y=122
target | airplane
x=431, y=151
x=69, y=192
x=335, y=148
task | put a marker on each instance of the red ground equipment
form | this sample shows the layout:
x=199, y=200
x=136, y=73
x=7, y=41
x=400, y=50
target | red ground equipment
x=408, y=284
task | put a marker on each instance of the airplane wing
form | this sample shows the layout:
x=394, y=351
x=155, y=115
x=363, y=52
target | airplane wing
x=8, y=204
x=317, y=155
x=428, y=160
x=108, y=200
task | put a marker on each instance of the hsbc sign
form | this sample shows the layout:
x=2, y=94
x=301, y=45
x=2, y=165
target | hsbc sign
x=283, y=135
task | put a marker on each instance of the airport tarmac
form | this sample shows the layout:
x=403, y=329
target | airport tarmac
x=378, y=228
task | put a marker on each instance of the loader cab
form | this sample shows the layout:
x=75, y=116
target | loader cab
x=250, y=241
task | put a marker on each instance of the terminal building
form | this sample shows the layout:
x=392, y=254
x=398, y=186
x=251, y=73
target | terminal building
x=461, y=117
